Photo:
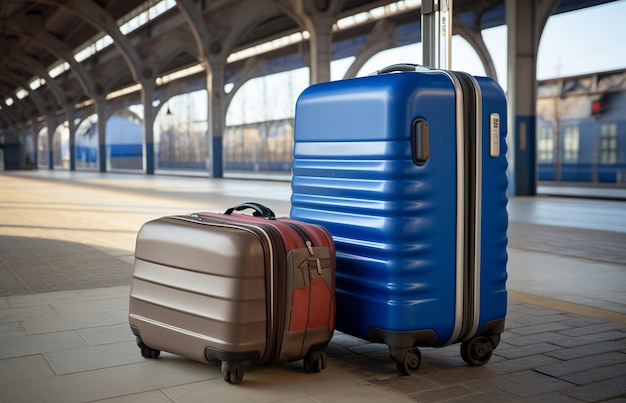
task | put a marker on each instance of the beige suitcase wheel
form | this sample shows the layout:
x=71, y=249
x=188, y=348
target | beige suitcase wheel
x=315, y=362
x=148, y=352
x=232, y=372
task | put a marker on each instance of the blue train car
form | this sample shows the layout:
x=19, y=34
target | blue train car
x=123, y=144
x=581, y=128
x=259, y=147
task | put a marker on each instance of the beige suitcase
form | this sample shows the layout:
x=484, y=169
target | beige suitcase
x=234, y=289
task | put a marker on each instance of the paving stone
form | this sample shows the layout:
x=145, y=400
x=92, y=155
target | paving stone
x=60, y=265
x=492, y=396
x=108, y=382
x=335, y=349
x=581, y=321
x=553, y=397
x=535, y=310
x=504, y=346
x=569, y=341
x=524, y=351
x=347, y=340
x=591, y=338
x=370, y=348
x=457, y=374
x=523, y=363
x=27, y=313
x=443, y=393
x=533, y=339
x=530, y=320
x=40, y=343
x=602, y=327
x=407, y=384
x=11, y=329
x=90, y=358
x=608, y=389
x=106, y=334
x=584, y=351
x=561, y=368
x=156, y=396
x=527, y=384
x=69, y=322
x=511, y=324
x=542, y=328
x=597, y=374
x=14, y=370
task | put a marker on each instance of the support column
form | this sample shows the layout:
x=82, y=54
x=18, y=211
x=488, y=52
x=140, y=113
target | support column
x=71, y=126
x=100, y=103
x=50, y=127
x=35, y=143
x=216, y=118
x=318, y=18
x=522, y=62
x=525, y=20
x=147, y=93
x=320, y=52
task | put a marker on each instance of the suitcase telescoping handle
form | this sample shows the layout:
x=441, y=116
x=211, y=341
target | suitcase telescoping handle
x=259, y=210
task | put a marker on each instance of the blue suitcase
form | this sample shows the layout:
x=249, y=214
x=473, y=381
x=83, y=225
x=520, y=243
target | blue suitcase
x=407, y=171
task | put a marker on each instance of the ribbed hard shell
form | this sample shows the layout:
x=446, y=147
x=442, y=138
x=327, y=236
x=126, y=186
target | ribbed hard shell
x=215, y=299
x=394, y=221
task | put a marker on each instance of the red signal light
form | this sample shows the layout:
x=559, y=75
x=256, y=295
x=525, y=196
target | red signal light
x=596, y=106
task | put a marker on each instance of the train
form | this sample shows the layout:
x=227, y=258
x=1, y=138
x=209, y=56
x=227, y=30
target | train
x=581, y=129
x=259, y=147
x=254, y=147
x=580, y=137
x=123, y=144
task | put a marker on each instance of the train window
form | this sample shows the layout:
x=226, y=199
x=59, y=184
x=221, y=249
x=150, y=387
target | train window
x=608, y=144
x=545, y=145
x=571, y=144
x=262, y=146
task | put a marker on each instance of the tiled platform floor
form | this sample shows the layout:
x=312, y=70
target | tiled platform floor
x=66, y=244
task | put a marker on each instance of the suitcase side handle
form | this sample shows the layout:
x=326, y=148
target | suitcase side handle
x=420, y=141
x=402, y=67
x=259, y=210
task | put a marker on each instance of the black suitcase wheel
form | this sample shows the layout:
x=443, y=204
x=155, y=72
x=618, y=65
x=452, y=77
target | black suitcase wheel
x=148, y=352
x=407, y=361
x=477, y=351
x=315, y=362
x=233, y=372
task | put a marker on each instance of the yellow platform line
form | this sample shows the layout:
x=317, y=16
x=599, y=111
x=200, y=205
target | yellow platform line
x=568, y=307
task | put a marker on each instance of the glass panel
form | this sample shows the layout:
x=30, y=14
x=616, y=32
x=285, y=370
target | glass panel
x=546, y=144
x=570, y=144
x=608, y=144
x=181, y=133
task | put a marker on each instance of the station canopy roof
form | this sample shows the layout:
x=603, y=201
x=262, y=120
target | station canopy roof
x=80, y=49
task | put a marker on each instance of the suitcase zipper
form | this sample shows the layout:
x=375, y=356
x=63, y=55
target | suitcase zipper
x=308, y=243
x=469, y=156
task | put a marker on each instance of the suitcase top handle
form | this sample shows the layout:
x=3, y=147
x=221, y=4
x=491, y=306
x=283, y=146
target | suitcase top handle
x=259, y=210
x=402, y=67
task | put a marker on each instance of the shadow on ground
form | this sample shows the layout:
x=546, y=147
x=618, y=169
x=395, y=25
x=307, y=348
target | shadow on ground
x=34, y=265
